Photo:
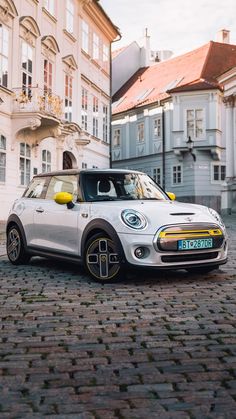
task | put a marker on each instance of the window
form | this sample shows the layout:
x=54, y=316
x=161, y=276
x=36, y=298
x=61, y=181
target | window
x=46, y=161
x=27, y=68
x=3, y=147
x=47, y=76
x=105, y=57
x=70, y=16
x=84, y=121
x=50, y=6
x=218, y=172
x=195, y=123
x=156, y=174
x=85, y=36
x=157, y=128
x=4, y=50
x=36, y=187
x=141, y=132
x=68, y=98
x=25, y=155
x=84, y=165
x=63, y=183
x=177, y=175
x=95, y=116
x=116, y=138
x=95, y=46
x=105, y=123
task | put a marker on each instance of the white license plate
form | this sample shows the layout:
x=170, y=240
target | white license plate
x=195, y=244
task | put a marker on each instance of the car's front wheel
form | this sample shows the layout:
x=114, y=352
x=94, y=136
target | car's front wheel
x=16, y=251
x=103, y=258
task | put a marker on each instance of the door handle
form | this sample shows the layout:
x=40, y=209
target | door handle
x=39, y=209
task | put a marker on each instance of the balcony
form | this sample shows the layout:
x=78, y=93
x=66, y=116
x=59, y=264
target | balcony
x=36, y=100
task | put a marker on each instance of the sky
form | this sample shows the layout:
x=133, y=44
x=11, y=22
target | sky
x=176, y=25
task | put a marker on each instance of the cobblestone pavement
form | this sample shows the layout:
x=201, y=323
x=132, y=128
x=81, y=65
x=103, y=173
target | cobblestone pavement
x=163, y=346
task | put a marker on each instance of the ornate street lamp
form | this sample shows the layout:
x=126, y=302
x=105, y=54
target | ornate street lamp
x=190, y=147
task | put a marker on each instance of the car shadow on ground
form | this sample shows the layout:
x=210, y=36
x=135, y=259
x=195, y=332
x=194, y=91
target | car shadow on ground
x=134, y=277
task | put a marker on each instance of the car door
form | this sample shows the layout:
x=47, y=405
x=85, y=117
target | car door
x=56, y=226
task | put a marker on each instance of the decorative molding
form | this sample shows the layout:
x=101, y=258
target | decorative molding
x=30, y=25
x=52, y=17
x=7, y=9
x=69, y=35
x=69, y=60
x=50, y=43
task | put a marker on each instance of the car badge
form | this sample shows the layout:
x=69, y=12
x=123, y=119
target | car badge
x=188, y=219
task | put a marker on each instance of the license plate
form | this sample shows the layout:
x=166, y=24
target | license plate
x=195, y=244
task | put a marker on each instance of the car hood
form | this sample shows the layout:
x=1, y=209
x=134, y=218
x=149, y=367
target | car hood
x=158, y=213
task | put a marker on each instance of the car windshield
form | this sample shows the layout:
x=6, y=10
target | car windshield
x=121, y=186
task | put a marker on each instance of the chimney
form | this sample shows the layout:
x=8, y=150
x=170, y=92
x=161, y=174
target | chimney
x=223, y=36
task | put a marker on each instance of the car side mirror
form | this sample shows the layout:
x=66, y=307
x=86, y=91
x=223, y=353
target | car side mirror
x=171, y=195
x=63, y=198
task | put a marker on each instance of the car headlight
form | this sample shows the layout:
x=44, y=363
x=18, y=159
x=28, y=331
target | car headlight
x=134, y=219
x=216, y=216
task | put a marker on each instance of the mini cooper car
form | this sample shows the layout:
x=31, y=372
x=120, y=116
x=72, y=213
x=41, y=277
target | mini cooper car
x=107, y=219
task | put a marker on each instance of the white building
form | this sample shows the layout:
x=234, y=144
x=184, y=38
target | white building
x=54, y=89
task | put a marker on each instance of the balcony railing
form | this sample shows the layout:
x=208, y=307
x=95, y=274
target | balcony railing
x=37, y=100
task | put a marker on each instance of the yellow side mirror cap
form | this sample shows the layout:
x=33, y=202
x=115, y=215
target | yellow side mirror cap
x=63, y=198
x=171, y=195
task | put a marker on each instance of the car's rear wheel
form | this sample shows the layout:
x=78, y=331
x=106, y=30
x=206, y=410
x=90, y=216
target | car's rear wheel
x=103, y=258
x=16, y=251
x=203, y=269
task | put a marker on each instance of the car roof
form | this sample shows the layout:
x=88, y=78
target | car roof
x=84, y=171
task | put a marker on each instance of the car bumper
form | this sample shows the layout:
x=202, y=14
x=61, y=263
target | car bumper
x=169, y=259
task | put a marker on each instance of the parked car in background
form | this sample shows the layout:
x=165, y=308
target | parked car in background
x=108, y=219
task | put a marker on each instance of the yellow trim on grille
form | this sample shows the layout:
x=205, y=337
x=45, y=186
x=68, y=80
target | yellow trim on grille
x=189, y=233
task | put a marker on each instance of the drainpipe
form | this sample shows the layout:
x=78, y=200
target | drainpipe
x=110, y=106
x=163, y=148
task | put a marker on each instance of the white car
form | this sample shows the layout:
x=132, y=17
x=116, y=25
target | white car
x=107, y=219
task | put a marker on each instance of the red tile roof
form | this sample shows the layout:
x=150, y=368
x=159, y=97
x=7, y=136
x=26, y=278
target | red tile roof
x=195, y=70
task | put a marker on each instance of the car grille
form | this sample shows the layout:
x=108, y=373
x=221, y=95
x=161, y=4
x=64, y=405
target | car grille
x=189, y=258
x=167, y=238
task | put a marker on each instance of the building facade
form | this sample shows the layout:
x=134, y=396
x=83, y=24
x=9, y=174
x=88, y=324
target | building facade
x=54, y=89
x=165, y=108
x=228, y=80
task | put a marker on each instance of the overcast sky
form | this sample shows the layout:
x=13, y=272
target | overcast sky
x=177, y=25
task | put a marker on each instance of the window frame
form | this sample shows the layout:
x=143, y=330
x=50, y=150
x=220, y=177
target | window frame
x=68, y=97
x=95, y=115
x=84, y=108
x=105, y=123
x=157, y=135
x=116, y=144
x=70, y=16
x=4, y=55
x=141, y=140
x=96, y=47
x=25, y=175
x=219, y=165
x=85, y=37
x=156, y=175
x=194, y=120
x=174, y=184
x=26, y=87
x=3, y=152
x=47, y=162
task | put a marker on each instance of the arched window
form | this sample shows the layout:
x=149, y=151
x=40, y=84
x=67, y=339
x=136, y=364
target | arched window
x=3, y=158
x=25, y=163
x=46, y=161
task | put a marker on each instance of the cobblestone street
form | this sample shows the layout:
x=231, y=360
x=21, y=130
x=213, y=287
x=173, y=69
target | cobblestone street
x=160, y=346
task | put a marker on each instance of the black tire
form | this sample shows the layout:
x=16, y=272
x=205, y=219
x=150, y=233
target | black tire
x=16, y=251
x=202, y=269
x=103, y=258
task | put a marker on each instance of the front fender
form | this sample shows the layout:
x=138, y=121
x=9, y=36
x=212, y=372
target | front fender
x=96, y=226
x=14, y=219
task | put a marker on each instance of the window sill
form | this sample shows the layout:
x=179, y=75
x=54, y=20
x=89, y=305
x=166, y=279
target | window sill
x=5, y=90
x=69, y=35
x=85, y=53
x=52, y=17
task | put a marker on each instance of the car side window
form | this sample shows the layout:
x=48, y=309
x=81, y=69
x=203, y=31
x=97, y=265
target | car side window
x=36, y=188
x=63, y=183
